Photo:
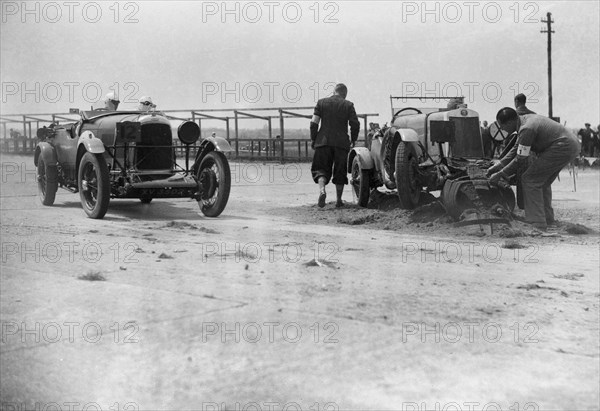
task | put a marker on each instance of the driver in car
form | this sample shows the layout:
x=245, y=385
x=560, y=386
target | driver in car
x=146, y=104
x=111, y=101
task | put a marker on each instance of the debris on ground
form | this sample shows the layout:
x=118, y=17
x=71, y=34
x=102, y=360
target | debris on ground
x=529, y=287
x=577, y=229
x=427, y=213
x=512, y=245
x=319, y=263
x=569, y=276
x=92, y=276
x=358, y=220
x=183, y=225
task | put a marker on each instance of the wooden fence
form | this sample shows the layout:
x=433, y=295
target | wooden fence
x=267, y=147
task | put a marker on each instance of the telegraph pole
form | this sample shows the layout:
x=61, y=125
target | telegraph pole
x=549, y=30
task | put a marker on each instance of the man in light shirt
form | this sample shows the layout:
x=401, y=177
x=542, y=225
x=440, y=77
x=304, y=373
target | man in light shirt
x=555, y=147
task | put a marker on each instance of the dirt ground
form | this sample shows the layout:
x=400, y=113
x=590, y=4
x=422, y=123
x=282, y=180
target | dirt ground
x=278, y=304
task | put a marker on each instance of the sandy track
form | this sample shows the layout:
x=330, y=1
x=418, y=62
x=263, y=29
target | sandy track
x=198, y=313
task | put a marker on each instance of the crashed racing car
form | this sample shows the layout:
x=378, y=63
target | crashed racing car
x=130, y=154
x=429, y=149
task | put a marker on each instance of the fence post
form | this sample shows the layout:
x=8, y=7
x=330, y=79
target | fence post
x=237, y=153
x=365, y=129
x=282, y=134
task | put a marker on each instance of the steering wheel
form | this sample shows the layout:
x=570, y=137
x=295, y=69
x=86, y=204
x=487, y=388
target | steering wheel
x=408, y=108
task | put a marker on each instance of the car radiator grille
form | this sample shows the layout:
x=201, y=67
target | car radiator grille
x=155, y=152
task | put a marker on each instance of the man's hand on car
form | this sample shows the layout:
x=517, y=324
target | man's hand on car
x=496, y=177
x=493, y=169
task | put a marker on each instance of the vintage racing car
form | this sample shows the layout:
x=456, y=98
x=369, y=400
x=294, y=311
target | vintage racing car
x=425, y=149
x=130, y=154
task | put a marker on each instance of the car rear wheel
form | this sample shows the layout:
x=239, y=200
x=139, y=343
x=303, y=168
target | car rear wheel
x=94, y=185
x=214, y=181
x=47, y=177
x=360, y=182
x=407, y=171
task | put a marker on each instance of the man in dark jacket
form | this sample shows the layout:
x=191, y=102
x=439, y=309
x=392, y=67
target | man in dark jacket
x=555, y=147
x=587, y=142
x=520, y=106
x=331, y=142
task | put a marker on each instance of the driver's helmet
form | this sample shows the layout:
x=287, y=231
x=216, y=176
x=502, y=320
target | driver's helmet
x=146, y=103
x=111, y=101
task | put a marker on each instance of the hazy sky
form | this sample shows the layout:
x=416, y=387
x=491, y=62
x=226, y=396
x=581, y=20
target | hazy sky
x=262, y=54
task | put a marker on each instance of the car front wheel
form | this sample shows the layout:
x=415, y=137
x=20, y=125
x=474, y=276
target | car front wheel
x=94, y=185
x=360, y=182
x=47, y=177
x=407, y=171
x=214, y=181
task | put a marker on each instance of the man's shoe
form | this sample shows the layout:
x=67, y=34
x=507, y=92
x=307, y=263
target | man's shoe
x=339, y=204
x=322, y=198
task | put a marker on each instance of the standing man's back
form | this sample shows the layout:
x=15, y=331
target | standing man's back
x=331, y=141
x=520, y=106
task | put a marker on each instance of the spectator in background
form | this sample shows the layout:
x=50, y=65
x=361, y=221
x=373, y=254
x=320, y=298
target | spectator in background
x=455, y=103
x=596, y=142
x=587, y=142
x=520, y=106
x=486, y=139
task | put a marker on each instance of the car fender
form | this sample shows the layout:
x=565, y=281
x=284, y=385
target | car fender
x=219, y=143
x=207, y=145
x=91, y=143
x=407, y=134
x=364, y=157
x=47, y=152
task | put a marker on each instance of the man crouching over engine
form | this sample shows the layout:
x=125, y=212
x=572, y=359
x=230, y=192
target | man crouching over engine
x=331, y=142
x=554, y=146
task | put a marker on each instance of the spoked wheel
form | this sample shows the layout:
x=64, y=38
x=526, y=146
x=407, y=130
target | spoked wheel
x=407, y=171
x=360, y=182
x=94, y=185
x=47, y=177
x=214, y=180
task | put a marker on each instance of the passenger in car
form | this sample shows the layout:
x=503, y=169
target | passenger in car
x=111, y=101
